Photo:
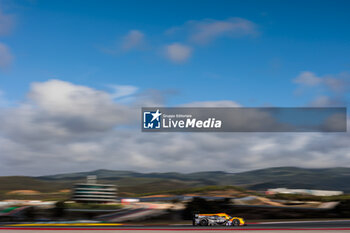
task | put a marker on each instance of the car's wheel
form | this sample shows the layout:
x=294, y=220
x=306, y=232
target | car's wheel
x=235, y=222
x=203, y=222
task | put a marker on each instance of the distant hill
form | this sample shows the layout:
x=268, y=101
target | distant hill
x=293, y=177
x=134, y=182
x=290, y=177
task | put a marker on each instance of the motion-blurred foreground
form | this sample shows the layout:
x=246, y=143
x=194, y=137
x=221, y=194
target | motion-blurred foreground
x=120, y=196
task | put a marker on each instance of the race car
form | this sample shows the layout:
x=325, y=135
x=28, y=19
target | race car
x=217, y=219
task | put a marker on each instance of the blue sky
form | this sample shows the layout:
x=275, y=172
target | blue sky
x=74, y=75
x=82, y=42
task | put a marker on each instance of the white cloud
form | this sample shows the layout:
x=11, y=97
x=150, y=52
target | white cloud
x=207, y=30
x=3, y=101
x=134, y=39
x=321, y=101
x=7, y=22
x=121, y=91
x=71, y=127
x=74, y=107
x=6, y=57
x=338, y=83
x=221, y=103
x=332, y=89
x=327, y=101
x=308, y=78
x=177, y=52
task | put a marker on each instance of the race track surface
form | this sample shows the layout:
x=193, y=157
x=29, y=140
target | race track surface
x=285, y=227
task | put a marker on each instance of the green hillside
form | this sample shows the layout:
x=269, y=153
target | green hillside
x=289, y=177
x=138, y=183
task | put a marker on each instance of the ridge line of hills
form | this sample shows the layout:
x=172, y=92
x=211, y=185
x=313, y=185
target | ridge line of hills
x=134, y=182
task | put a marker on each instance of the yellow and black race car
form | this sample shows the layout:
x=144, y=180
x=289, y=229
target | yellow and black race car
x=217, y=219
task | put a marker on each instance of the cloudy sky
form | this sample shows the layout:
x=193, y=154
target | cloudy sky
x=73, y=78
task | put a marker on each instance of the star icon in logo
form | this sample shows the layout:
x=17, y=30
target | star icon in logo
x=156, y=115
